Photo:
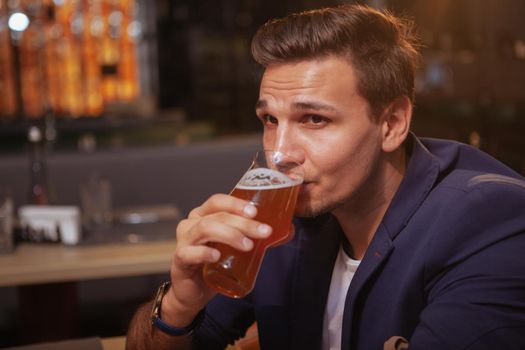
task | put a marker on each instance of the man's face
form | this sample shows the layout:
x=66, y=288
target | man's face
x=311, y=111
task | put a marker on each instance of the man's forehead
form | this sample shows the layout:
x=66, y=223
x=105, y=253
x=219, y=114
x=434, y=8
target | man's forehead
x=305, y=72
x=321, y=61
x=309, y=74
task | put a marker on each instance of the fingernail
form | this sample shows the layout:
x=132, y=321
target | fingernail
x=247, y=243
x=250, y=210
x=264, y=229
x=215, y=255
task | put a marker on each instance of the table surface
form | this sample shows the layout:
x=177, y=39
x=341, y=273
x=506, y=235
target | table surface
x=33, y=263
x=115, y=343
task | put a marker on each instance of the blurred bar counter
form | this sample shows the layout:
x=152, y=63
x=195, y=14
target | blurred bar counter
x=34, y=263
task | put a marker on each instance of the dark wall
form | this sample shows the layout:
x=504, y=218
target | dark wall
x=205, y=64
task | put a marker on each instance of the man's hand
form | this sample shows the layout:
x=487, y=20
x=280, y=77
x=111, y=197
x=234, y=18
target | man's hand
x=222, y=218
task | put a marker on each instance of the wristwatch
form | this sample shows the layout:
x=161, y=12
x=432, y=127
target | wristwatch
x=157, y=322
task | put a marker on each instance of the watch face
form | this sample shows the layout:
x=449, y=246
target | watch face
x=163, y=326
x=155, y=311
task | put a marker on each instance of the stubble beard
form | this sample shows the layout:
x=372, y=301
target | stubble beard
x=306, y=208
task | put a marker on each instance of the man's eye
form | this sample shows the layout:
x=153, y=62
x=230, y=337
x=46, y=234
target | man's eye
x=269, y=120
x=315, y=120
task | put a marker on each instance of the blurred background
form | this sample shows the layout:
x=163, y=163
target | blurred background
x=107, y=73
x=143, y=95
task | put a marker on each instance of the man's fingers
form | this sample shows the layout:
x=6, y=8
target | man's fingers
x=229, y=229
x=198, y=254
x=224, y=203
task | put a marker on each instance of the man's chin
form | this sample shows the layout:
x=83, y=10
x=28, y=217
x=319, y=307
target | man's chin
x=307, y=210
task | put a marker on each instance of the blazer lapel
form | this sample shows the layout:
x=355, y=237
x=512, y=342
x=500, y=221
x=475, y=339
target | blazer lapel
x=377, y=253
x=316, y=258
x=422, y=172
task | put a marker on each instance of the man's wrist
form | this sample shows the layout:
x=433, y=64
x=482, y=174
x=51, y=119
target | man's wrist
x=161, y=312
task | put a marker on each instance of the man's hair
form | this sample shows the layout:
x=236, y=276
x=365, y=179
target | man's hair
x=380, y=47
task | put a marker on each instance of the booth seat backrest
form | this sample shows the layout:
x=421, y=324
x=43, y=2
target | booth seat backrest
x=180, y=175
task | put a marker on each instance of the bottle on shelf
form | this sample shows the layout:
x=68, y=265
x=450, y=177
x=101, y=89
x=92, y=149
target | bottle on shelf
x=74, y=57
x=38, y=187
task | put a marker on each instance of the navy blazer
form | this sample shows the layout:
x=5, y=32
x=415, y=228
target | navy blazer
x=445, y=269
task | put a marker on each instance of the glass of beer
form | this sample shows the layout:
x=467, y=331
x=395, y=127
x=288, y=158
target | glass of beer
x=272, y=184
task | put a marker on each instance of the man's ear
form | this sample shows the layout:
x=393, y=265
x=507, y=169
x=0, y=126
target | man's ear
x=396, y=123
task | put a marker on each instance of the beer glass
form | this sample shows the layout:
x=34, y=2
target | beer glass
x=272, y=184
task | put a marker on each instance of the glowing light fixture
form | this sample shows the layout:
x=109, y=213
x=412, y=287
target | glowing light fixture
x=18, y=22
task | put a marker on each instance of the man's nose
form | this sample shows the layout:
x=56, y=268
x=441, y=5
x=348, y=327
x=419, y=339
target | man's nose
x=287, y=142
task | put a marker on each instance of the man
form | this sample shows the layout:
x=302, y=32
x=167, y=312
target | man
x=397, y=238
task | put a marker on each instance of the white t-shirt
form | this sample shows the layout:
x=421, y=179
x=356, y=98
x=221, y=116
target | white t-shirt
x=344, y=270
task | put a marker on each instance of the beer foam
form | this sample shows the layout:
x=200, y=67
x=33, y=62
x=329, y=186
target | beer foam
x=264, y=178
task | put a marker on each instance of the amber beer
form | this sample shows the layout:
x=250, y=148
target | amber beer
x=235, y=273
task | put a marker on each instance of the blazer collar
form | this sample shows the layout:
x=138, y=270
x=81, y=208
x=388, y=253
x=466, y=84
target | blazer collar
x=420, y=176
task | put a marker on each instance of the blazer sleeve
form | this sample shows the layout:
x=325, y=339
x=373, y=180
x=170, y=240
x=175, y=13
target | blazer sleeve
x=475, y=273
x=225, y=321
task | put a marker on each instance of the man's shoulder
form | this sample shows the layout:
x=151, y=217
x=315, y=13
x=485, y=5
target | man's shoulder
x=472, y=193
x=467, y=193
x=489, y=183
x=467, y=168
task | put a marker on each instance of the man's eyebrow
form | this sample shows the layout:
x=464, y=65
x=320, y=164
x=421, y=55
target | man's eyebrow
x=317, y=106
